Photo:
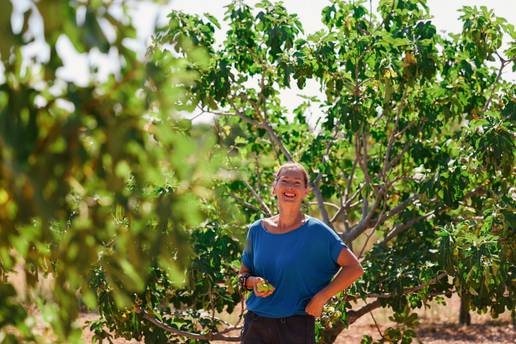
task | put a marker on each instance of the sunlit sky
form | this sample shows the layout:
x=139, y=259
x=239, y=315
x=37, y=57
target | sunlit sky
x=445, y=17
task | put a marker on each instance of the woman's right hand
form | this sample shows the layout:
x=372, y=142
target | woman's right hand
x=256, y=281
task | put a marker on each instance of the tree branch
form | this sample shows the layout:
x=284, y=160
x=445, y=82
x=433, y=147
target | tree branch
x=412, y=289
x=390, y=141
x=244, y=203
x=348, y=184
x=191, y=335
x=371, y=233
x=274, y=137
x=344, y=201
x=394, y=161
x=504, y=63
x=362, y=163
x=344, y=209
x=315, y=183
x=366, y=308
x=320, y=203
x=400, y=228
x=394, y=133
x=333, y=205
x=376, y=324
x=236, y=114
x=355, y=315
x=366, y=217
x=396, y=210
x=258, y=198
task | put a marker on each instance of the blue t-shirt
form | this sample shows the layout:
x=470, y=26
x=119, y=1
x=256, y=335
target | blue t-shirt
x=298, y=264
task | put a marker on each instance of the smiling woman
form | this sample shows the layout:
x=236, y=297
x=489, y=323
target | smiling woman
x=291, y=184
x=295, y=256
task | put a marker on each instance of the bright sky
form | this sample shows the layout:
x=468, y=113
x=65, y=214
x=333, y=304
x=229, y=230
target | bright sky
x=445, y=16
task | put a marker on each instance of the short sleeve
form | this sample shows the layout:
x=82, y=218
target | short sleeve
x=247, y=255
x=336, y=245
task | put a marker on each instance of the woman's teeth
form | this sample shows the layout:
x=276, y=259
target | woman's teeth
x=289, y=195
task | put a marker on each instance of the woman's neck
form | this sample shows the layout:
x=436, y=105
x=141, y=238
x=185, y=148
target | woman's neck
x=289, y=217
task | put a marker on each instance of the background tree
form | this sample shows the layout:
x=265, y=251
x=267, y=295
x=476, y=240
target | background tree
x=412, y=160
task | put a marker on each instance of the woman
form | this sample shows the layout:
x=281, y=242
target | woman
x=298, y=255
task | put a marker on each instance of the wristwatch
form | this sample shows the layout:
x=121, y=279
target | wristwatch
x=242, y=280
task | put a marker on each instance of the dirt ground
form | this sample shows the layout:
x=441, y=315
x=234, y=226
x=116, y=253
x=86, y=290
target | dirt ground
x=438, y=325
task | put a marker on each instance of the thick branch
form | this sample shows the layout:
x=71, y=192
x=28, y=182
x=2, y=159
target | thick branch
x=315, y=183
x=329, y=335
x=320, y=203
x=345, y=201
x=366, y=218
x=332, y=333
x=196, y=336
x=354, y=315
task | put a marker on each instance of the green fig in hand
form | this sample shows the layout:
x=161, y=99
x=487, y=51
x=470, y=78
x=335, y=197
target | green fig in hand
x=264, y=287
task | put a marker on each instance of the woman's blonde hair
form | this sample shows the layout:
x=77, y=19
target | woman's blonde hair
x=293, y=165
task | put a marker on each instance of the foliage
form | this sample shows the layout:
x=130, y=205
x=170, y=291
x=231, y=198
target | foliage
x=211, y=287
x=98, y=175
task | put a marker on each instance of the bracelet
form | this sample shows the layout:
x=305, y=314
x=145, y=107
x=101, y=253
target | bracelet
x=242, y=280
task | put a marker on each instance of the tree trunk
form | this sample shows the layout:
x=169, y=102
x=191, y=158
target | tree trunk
x=464, y=317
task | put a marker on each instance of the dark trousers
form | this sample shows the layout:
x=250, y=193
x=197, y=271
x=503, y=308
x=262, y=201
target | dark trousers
x=296, y=329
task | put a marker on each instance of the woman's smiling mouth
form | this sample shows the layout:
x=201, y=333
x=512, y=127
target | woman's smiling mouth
x=289, y=195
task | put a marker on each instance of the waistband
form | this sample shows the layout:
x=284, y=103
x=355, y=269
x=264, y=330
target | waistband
x=282, y=320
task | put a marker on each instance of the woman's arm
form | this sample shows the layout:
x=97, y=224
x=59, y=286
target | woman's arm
x=351, y=270
x=253, y=281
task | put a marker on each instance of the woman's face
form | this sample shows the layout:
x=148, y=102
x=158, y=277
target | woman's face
x=290, y=187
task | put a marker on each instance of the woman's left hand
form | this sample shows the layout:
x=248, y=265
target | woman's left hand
x=315, y=306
